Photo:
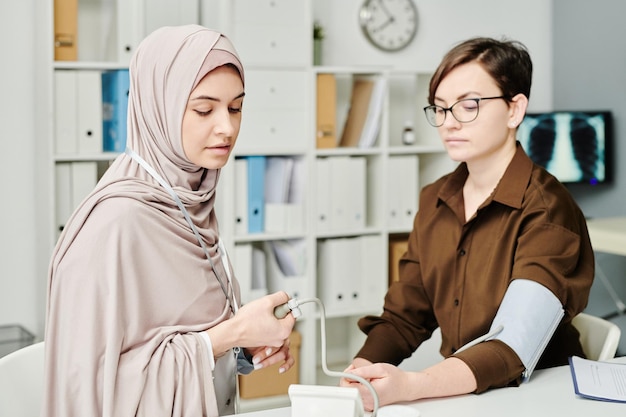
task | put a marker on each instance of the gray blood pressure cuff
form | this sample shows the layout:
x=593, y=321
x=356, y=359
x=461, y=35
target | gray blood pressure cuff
x=527, y=318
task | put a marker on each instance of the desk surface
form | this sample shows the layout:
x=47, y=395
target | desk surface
x=608, y=234
x=550, y=392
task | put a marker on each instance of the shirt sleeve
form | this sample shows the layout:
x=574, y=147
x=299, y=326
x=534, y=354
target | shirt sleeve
x=524, y=331
x=209, y=345
x=407, y=319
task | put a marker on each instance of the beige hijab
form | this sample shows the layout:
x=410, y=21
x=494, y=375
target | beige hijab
x=129, y=286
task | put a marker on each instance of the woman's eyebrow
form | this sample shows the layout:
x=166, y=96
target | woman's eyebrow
x=205, y=97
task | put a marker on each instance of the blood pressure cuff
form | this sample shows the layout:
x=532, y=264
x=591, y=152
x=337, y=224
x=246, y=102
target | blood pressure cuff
x=527, y=318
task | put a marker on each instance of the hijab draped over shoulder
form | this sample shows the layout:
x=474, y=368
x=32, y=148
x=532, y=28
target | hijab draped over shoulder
x=129, y=287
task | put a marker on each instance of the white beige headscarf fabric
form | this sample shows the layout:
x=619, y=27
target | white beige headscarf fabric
x=129, y=285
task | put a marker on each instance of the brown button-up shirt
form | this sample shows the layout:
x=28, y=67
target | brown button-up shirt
x=455, y=273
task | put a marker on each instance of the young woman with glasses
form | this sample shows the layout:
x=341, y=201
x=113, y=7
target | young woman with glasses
x=499, y=257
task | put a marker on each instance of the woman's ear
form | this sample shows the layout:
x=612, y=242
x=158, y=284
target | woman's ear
x=519, y=103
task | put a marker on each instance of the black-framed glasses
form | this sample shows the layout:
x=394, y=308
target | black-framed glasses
x=464, y=111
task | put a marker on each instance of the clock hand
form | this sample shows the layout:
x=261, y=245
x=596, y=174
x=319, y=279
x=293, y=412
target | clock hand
x=384, y=24
x=385, y=10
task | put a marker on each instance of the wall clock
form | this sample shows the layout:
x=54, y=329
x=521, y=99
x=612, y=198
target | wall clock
x=389, y=25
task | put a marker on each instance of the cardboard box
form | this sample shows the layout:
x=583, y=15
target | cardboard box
x=398, y=245
x=268, y=382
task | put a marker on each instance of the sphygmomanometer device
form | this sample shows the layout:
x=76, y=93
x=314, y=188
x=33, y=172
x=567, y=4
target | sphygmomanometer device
x=332, y=401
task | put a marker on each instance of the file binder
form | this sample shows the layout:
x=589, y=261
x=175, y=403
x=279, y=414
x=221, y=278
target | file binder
x=241, y=196
x=115, y=87
x=322, y=194
x=256, y=193
x=326, y=114
x=339, y=278
x=347, y=198
x=89, y=111
x=65, y=112
x=363, y=121
x=250, y=264
x=65, y=30
x=63, y=191
x=402, y=191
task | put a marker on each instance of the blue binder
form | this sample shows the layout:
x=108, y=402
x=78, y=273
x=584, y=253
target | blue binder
x=256, y=193
x=115, y=86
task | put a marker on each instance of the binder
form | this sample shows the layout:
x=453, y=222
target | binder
x=373, y=282
x=402, y=191
x=322, y=194
x=89, y=89
x=65, y=112
x=356, y=193
x=251, y=271
x=339, y=274
x=73, y=182
x=374, y=112
x=256, y=191
x=84, y=179
x=115, y=88
x=347, y=193
x=357, y=113
x=326, y=114
x=241, y=196
x=63, y=192
x=363, y=120
x=65, y=30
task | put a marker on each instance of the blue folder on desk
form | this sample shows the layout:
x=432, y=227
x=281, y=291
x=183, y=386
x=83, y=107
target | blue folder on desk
x=256, y=192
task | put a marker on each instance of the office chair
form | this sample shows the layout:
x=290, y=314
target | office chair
x=598, y=337
x=21, y=382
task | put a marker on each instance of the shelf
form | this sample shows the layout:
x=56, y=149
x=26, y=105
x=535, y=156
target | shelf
x=104, y=156
x=265, y=237
x=88, y=65
x=416, y=149
x=340, y=151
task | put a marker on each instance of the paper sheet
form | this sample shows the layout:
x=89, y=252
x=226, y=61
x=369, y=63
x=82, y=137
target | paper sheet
x=604, y=381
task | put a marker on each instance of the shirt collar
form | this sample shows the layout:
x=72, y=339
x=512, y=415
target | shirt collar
x=509, y=191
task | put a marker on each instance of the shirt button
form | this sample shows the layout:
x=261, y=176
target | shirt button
x=228, y=402
x=462, y=252
x=456, y=302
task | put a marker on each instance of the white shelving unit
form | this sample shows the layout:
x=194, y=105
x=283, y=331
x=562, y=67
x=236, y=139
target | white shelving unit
x=280, y=120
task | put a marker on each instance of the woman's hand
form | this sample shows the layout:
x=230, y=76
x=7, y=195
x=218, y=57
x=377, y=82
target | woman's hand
x=446, y=378
x=390, y=383
x=255, y=325
x=263, y=357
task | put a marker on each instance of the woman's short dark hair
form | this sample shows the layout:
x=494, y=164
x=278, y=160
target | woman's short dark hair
x=507, y=61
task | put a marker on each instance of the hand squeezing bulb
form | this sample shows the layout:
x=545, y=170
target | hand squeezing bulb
x=290, y=306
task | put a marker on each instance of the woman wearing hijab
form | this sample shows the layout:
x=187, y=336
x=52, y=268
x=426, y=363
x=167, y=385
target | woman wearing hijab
x=143, y=315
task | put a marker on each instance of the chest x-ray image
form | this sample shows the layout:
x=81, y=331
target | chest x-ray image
x=570, y=145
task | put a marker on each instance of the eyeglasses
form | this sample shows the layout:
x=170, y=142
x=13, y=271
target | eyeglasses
x=464, y=111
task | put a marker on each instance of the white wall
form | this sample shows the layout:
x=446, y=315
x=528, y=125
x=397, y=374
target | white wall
x=443, y=23
x=24, y=256
x=20, y=283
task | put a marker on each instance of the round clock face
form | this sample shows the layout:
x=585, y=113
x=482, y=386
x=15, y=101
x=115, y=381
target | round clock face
x=389, y=25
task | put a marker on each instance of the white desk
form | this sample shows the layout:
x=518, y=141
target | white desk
x=549, y=393
x=608, y=234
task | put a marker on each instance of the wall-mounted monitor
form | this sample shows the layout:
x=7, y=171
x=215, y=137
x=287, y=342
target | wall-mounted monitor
x=574, y=146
